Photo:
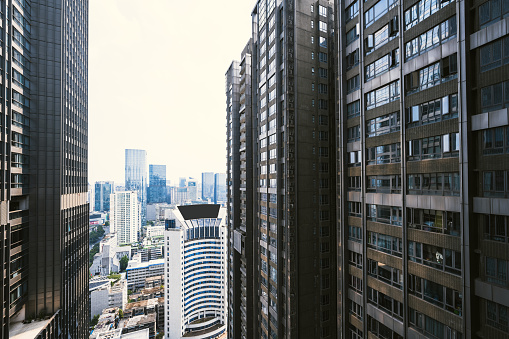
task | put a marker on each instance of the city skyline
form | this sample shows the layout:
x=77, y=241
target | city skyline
x=115, y=104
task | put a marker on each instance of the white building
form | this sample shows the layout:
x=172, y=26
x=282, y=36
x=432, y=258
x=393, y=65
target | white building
x=195, y=273
x=125, y=216
x=155, y=231
x=138, y=271
x=103, y=295
x=107, y=260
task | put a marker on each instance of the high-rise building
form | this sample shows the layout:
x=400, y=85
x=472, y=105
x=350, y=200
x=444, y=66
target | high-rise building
x=219, y=188
x=136, y=177
x=43, y=198
x=102, y=192
x=125, y=216
x=292, y=148
x=242, y=298
x=157, y=184
x=207, y=186
x=195, y=272
x=192, y=189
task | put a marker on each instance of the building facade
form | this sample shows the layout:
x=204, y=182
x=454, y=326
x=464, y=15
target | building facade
x=125, y=216
x=43, y=198
x=136, y=177
x=291, y=232
x=195, y=272
x=207, y=186
x=242, y=299
x=157, y=184
x=102, y=191
x=219, y=188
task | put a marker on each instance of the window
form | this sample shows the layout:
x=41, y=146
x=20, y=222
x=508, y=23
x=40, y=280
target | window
x=382, y=36
x=385, y=303
x=355, y=233
x=353, y=84
x=492, y=11
x=497, y=316
x=312, y=24
x=382, y=95
x=379, y=9
x=20, y=140
x=496, y=271
x=354, y=333
x=323, y=42
x=443, y=297
x=431, y=39
x=385, y=273
x=352, y=11
x=352, y=35
x=322, y=57
x=434, y=221
x=430, y=326
x=322, y=10
x=352, y=59
x=422, y=10
x=496, y=227
x=322, y=26
x=355, y=308
x=440, y=146
x=323, y=120
x=353, y=109
x=385, y=154
x=383, y=184
x=382, y=65
x=432, y=75
x=354, y=183
x=495, y=97
x=323, y=88
x=323, y=104
x=354, y=133
x=446, y=184
x=354, y=158
x=354, y=209
x=323, y=73
x=382, y=125
x=391, y=215
x=385, y=243
x=380, y=330
x=433, y=111
x=439, y=258
x=494, y=54
x=355, y=259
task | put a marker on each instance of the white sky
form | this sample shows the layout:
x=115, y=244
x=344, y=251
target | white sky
x=156, y=82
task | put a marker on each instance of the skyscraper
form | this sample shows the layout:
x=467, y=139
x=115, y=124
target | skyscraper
x=195, y=272
x=292, y=230
x=157, y=184
x=136, y=177
x=219, y=188
x=242, y=298
x=44, y=224
x=124, y=216
x=102, y=192
x=207, y=186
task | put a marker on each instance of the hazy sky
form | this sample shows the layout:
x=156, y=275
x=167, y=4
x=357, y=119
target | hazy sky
x=156, y=82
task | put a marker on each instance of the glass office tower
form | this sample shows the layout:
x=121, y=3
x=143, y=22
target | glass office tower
x=157, y=184
x=136, y=177
x=44, y=219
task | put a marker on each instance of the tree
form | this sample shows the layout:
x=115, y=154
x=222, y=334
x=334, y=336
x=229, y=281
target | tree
x=107, y=223
x=160, y=335
x=100, y=231
x=123, y=263
x=93, y=252
x=120, y=313
x=94, y=320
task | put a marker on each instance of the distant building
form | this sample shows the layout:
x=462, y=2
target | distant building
x=106, y=260
x=138, y=271
x=125, y=217
x=198, y=231
x=157, y=184
x=155, y=231
x=207, y=186
x=136, y=177
x=146, y=307
x=140, y=322
x=219, y=188
x=102, y=192
x=156, y=211
x=192, y=189
x=103, y=295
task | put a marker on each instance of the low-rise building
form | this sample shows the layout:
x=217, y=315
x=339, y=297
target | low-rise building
x=145, y=307
x=156, y=281
x=137, y=271
x=141, y=322
x=103, y=295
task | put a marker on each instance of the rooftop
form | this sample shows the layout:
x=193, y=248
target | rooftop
x=29, y=330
